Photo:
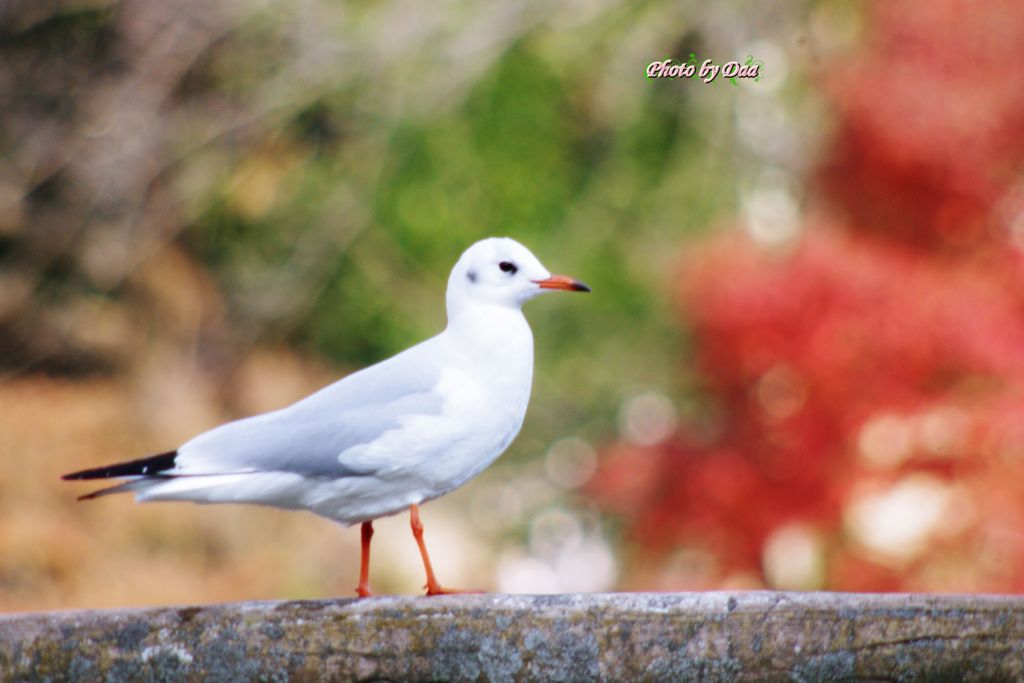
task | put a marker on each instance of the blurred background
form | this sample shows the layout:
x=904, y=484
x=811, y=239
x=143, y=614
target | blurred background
x=802, y=366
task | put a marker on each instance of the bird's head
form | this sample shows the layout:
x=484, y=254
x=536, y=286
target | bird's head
x=501, y=271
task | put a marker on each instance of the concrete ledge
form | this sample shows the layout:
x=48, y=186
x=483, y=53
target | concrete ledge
x=672, y=637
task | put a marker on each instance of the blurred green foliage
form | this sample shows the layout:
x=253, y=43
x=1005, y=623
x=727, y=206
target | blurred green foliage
x=331, y=162
x=522, y=153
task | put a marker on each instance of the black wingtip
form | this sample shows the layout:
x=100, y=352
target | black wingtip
x=153, y=464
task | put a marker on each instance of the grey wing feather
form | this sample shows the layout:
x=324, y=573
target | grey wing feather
x=309, y=436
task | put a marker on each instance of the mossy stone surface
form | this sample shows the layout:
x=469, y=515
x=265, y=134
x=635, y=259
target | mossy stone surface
x=671, y=637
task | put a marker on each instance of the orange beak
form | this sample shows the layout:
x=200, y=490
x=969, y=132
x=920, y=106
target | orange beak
x=562, y=282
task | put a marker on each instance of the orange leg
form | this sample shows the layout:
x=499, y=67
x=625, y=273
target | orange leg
x=433, y=587
x=364, y=565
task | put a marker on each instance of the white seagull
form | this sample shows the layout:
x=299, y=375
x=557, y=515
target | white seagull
x=389, y=437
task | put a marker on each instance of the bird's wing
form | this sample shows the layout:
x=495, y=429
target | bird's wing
x=311, y=436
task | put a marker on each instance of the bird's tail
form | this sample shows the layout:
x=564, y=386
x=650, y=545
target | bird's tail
x=152, y=466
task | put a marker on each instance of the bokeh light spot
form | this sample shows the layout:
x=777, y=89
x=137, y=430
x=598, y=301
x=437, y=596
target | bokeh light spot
x=647, y=419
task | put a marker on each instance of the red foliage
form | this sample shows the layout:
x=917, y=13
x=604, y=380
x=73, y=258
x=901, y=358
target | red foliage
x=931, y=116
x=931, y=120
x=890, y=347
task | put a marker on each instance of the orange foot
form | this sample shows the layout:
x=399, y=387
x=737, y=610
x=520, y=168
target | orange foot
x=432, y=585
x=437, y=589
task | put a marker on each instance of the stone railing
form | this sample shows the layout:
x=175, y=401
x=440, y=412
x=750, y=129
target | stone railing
x=672, y=637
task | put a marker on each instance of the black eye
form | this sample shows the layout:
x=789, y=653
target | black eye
x=508, y=267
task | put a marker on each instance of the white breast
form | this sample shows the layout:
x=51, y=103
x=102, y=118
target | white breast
x=485, y=389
